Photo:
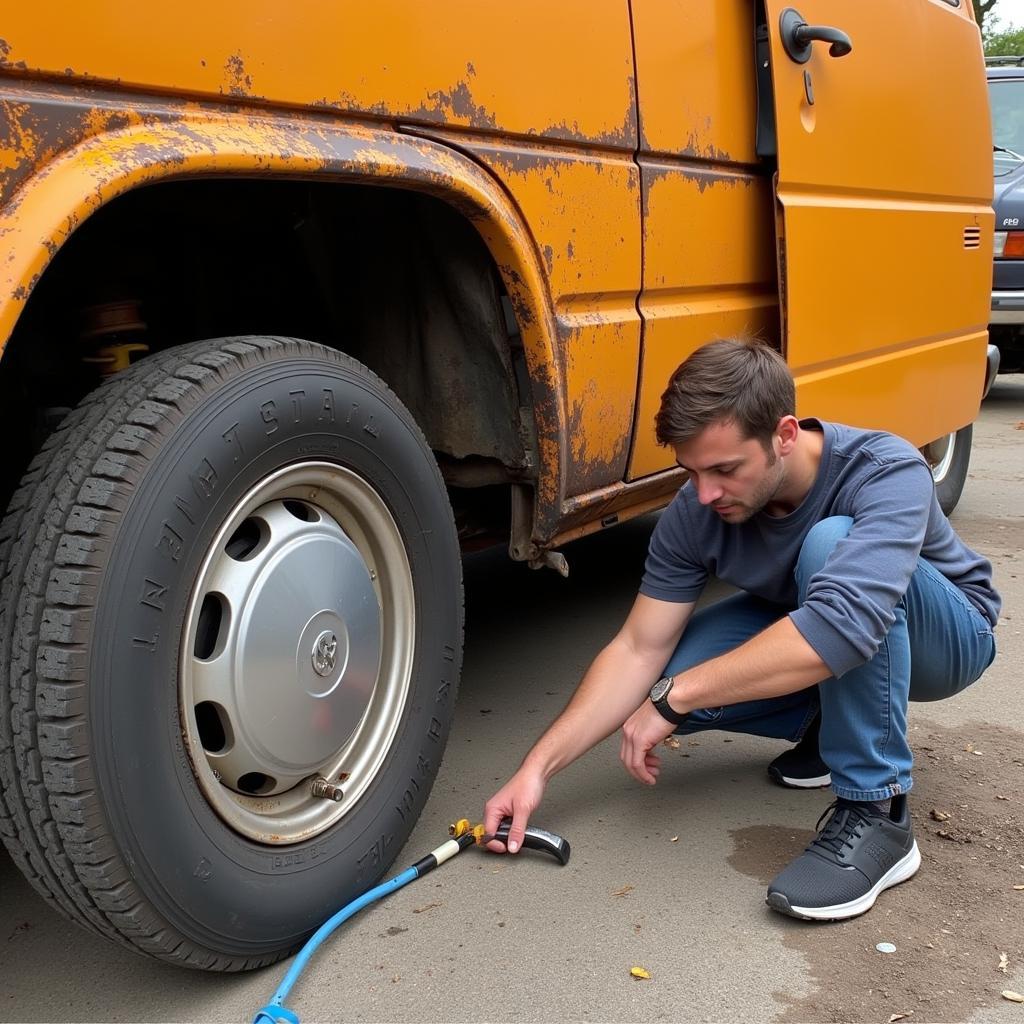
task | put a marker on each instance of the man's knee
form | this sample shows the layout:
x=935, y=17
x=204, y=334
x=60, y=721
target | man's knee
x=818, y=545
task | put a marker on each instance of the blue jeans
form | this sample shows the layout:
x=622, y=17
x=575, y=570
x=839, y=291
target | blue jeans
x=939, y=644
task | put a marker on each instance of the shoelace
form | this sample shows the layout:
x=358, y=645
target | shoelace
x=843, y=828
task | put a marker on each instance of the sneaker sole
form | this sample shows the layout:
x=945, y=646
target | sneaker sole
x=899, y=872
x=818, y=782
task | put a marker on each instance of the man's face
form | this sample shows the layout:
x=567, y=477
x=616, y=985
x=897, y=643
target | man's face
x=732, y=474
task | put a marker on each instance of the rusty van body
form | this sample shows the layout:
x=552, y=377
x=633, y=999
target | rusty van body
x=297, y=301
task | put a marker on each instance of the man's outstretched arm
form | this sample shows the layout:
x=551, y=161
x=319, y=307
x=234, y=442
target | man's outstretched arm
x=612, y=688
x=775, y=662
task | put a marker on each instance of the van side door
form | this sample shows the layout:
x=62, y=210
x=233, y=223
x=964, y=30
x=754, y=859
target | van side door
x=884, y=220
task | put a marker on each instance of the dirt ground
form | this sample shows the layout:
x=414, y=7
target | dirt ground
x=951, y=922
x=961, y=916
x=669, y=878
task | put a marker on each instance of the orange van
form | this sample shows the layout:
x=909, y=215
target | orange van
x=299, y=301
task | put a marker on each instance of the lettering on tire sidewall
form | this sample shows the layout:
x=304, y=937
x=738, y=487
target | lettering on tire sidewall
x=225, y=447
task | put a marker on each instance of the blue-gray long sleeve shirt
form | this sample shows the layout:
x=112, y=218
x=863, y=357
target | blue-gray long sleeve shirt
x=884, y=485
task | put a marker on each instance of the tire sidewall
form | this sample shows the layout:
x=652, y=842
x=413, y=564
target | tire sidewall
x=215, y=886
x=949, y=489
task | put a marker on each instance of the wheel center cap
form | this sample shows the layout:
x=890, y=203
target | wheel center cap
x=325, y=653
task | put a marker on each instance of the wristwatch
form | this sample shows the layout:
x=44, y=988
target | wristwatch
x=659, y=698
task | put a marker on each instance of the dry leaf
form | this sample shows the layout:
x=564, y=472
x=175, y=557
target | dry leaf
x=1014, y=997
x=1019, y=425
x=623, y=891
x=1002, y=797
x=674, y=839
x=939, y=815
x=1003, y=962
x=424, y=909
x=1019, y=888
x=639, y=973
x=671, y=742
x=969, y=748
x=898, y=1016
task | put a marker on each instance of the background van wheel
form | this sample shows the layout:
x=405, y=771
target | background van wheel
x=949, y=458
x=232, y=572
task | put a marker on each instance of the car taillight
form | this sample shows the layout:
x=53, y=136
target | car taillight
x=1012, y=247
x=998, y=243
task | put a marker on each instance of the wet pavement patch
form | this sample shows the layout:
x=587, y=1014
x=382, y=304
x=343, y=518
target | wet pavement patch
x=953, y=924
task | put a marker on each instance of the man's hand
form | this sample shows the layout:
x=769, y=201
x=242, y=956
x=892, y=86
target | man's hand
x=643, y=731
x=517, y=799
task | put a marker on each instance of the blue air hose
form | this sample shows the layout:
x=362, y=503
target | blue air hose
x=275, y=1012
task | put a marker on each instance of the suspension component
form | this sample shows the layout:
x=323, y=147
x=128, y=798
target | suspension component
x=111, y=335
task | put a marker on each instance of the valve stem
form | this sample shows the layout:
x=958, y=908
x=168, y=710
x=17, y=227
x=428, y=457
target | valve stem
x=320, y=787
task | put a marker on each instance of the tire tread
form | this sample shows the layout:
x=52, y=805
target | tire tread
x=54, y=542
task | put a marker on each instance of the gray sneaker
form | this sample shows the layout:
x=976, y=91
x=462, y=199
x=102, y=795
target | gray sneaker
x=860, y=851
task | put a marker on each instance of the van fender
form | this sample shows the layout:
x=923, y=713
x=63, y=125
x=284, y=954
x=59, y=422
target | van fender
x=170, y=143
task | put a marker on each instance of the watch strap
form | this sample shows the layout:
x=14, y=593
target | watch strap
x=668, y=712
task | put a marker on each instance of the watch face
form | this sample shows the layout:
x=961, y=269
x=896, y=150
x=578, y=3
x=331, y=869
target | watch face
x=661, y=688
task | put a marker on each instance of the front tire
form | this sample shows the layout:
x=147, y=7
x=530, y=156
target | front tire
x=232, y=570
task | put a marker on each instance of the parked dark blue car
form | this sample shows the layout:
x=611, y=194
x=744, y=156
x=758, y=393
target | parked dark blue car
x=1006, y=322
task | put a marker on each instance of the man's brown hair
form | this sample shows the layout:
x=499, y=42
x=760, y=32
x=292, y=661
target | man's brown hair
x=738, y=380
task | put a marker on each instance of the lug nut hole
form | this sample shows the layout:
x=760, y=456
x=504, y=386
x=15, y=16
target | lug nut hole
x=214, y=727
x=256, y=783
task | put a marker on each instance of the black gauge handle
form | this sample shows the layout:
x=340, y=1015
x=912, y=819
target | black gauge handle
x=537, y=839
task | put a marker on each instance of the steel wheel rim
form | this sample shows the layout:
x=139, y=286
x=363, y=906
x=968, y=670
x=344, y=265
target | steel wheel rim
x=343, y=571
x=939, y=455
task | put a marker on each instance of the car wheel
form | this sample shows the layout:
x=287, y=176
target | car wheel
x=949, y=458
x=231, y=622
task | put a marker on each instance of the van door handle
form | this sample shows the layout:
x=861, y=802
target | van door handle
x=797, y=37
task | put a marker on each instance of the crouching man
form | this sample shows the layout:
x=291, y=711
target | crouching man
x=856, y=596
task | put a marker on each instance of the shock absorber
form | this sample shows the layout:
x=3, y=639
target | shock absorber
x=111, y=335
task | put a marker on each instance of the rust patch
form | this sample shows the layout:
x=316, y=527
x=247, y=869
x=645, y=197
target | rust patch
x=707, y=179
x=549, y=258
x=624, y=137
x=38, y=124
x=31, y=134
x=696, y=146
x=271, y=144
x=589, y=469
x=951, y=921
x=703, y=177
x=525, y=159
x=460, y=102
x=5, y=52
x=239, y=82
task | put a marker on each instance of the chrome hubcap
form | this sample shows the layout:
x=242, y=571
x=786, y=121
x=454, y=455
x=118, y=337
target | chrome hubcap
x=939, y=455
x=297, y=651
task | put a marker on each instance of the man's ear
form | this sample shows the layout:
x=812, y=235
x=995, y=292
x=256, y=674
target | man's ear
x=786, y=431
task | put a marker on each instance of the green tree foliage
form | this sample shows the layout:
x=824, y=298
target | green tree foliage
x=1004, y=43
